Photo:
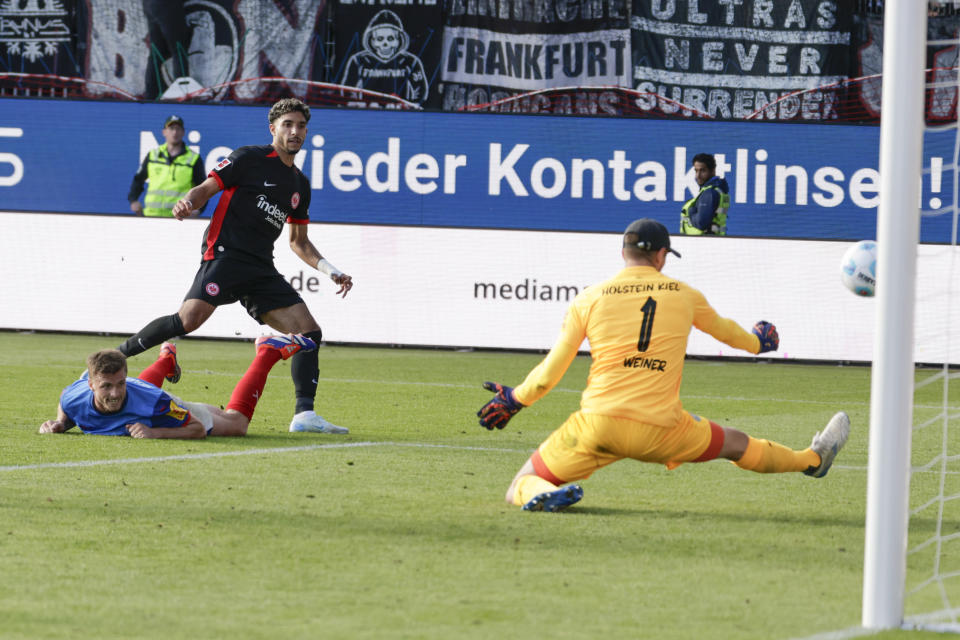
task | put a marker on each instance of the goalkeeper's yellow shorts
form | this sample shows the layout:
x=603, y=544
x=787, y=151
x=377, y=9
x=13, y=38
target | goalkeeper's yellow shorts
x=587, y=442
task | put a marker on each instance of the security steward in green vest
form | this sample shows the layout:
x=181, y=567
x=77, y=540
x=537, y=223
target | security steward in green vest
x=170, y=171
x=706, y=213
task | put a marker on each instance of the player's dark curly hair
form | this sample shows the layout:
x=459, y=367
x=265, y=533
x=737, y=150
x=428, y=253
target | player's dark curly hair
x=288, y=105
x=107, y=361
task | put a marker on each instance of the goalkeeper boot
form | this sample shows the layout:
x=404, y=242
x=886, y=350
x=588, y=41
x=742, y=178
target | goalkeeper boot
x=557, y=500
x=286, y=345
x=309, y=421
x=828, y=442
x=169, y=350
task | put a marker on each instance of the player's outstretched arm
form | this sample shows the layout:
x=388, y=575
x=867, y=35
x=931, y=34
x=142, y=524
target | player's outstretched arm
x=762, y=338
x=498, y=411
x=301, y=245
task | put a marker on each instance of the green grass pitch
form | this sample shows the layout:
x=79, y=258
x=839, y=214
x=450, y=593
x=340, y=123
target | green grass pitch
x=399, y=530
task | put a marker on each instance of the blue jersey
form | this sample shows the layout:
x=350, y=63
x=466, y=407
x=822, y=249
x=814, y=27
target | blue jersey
x=145, y=403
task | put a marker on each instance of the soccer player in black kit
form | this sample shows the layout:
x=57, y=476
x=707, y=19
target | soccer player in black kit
x=262, y=190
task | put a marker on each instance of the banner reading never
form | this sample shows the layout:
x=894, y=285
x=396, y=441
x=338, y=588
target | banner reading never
x=732, y=59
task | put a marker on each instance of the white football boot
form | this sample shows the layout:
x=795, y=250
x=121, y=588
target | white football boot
x=309, y=421
x=827, y=443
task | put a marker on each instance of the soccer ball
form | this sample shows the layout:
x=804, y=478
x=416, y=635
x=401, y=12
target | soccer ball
x=858, y=268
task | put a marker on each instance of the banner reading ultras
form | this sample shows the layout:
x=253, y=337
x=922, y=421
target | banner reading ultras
x=736, y=59
x=493, y=50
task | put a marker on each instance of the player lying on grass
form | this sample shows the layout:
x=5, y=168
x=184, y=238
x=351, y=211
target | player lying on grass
x=104, y=401
x=638, y=323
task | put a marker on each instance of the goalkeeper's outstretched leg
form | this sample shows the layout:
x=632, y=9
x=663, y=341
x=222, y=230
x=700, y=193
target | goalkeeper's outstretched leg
x=637, y=323
x=585, y=443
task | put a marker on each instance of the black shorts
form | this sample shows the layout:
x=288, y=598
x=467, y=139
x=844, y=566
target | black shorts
x=258, y=288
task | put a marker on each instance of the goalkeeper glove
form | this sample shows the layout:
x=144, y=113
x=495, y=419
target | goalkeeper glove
x=769, y=340
x=500, y=409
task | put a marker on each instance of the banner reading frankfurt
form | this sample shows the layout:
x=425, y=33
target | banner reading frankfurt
x=494, y=50
x=390, y=47
x=730, y=60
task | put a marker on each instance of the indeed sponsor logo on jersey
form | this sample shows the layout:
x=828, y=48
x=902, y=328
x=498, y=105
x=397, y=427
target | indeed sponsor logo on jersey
x=275, y=215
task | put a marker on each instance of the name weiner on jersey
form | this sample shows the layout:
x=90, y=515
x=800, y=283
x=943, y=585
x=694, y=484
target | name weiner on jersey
x=641, y=287
x=275, y=215
x=639, y=362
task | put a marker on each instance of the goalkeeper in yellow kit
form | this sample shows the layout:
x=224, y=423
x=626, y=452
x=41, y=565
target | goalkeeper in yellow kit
x=637, y=323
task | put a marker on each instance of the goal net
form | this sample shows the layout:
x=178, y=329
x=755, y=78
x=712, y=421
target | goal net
x=932, y=585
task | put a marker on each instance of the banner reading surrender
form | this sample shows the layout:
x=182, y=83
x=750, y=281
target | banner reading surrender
x=732, y=58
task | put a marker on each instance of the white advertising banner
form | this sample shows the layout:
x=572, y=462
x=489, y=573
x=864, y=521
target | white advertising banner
x=450, y=287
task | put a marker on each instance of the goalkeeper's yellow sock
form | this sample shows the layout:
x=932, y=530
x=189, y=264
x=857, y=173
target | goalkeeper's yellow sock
x=529, y=487
x=764, y=456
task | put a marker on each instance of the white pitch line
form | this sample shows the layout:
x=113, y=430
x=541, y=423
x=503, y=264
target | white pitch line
x=842, y=634
x=912, y=623
x=246, y=452
x=262, y=451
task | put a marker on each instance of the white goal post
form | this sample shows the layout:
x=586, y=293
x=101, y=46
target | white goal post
x=891, y=392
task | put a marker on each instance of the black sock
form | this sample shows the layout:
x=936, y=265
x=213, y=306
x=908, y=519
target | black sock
x=161, y=329
x=304, y=368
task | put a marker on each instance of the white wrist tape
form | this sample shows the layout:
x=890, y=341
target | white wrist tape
x=327, y=268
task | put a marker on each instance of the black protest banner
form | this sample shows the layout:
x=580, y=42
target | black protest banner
x=496, y=49
x=943, y=58
x=867, y=65
x=203, y=49
x=390, y=47
x=42, y=37
x=743, y=59
x=941, y=62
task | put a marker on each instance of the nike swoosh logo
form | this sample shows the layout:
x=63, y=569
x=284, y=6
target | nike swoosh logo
x=269, y=184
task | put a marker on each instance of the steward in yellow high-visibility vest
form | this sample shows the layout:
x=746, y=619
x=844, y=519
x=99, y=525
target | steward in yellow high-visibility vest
x=706, y=213
x=170, y=171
